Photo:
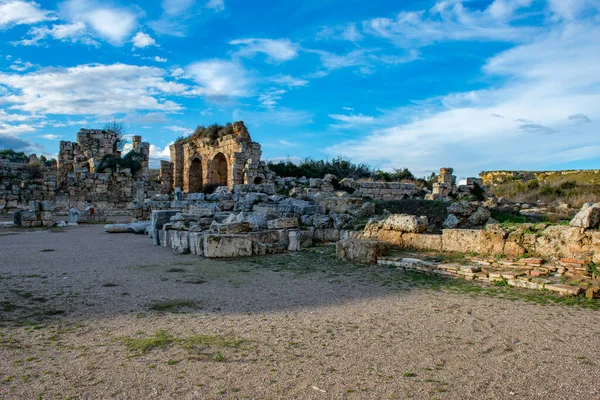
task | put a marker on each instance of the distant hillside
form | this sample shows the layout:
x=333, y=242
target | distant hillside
x=574, y=187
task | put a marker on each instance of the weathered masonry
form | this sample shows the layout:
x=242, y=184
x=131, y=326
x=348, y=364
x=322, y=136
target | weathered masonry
x=198, y=161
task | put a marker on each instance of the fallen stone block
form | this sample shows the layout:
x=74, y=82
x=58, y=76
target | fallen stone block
x=227, y=246
x=299, y=240
x=360, y=251
x=564, y=289
x=196, y=243
x=283, y=223
x=161, y=217
x=588, y=217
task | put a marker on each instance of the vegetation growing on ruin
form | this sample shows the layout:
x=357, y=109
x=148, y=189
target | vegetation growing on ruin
x=574, y=188
x=111, y=162
x=212, y=132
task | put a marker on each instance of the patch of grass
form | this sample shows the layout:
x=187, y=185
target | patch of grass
x=47, y=250
x=163, y=339
x=219, y=357
x=171, y=305
x=409, y=375
x=143, y=345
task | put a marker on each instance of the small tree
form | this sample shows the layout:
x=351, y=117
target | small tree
x=120, y=130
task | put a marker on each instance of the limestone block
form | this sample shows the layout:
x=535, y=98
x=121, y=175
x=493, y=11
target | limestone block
x=360, y=251
x=451, y=222
x=461, y=240
x=225, y=246
x=480, y=216
x=28, y=216
x=588, y=217
x=326, y=235
x=163, y=238
x=161, y=217
x=231, y=227
x=299, y=240
x=179, y=240
x=421, y=241
x=283, y=223
x=564, y=289
x=405, y=223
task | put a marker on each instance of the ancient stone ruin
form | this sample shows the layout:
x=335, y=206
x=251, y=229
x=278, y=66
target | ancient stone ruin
x=198, y=161
x=75, y=181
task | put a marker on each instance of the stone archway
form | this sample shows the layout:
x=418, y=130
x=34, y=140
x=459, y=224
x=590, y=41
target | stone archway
x=219, y=170
x=195, y=176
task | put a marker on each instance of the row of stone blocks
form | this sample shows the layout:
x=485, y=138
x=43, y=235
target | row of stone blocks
x=476, y=273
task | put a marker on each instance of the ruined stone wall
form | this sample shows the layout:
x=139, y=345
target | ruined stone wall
x=22, y=183
x=388, y=190
x=75, y=180
x=553, y=241
x=233, y=159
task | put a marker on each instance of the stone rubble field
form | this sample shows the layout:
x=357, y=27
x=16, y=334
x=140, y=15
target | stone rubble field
x=86, y=314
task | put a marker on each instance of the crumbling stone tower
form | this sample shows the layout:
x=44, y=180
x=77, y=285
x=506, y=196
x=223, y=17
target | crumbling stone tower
x=198, y=161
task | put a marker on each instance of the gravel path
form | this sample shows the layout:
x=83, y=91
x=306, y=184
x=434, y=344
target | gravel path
x=84, y=314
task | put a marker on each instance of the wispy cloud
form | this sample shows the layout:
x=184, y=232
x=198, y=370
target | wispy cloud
x=451, y=20
x=276, y=50
x=270, y=98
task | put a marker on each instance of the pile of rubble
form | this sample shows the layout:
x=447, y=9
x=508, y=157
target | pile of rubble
x=251, y=220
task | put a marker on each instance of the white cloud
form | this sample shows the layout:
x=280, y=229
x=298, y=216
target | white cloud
x=157, y=154
x=159, y=59
x=141, y=40
x=21, y=66
x=289, y=81
x=270, y=98
x=363, y=60
x=19, y=12
x=113, y=24
x=451, y=20
x=75, y=32
x=216, y=5
x=91, y=89
x=14, y=130
x=50, y=136
x=355, y=119
x=219, y=78
x=277, y=50
x=550, y=84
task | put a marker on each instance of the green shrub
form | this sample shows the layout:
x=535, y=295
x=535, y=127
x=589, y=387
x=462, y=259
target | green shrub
x=129, y=160
x=14, y=156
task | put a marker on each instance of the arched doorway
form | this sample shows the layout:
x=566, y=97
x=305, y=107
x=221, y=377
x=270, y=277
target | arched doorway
x=218, y=174
x=195, y=177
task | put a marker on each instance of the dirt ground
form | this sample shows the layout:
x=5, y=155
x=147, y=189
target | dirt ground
x=85, y=314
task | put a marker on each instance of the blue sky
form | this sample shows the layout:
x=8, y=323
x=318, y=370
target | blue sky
x=477, y=85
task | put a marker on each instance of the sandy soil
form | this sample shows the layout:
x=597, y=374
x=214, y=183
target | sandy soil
x=81, y=310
